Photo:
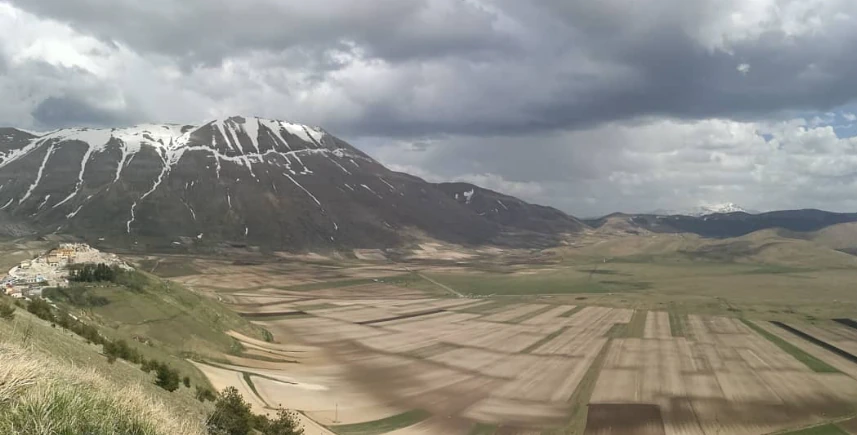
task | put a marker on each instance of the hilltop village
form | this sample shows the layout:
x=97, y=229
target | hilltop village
x=51, y=269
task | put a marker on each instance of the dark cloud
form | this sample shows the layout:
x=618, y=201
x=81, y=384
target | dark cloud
x=482, y=67
x=66, y=111
x=589, y=105
x=210, y=31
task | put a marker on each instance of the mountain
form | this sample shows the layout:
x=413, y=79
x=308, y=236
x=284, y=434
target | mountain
x=705, y=210
x=724, y=225
x=241, y=180
x=509, y=211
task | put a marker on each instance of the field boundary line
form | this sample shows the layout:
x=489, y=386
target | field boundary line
x=443, y=286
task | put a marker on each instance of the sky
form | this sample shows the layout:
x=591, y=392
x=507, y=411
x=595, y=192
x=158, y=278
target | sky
x=591, y=107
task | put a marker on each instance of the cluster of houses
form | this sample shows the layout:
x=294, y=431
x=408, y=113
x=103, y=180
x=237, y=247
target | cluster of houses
x=30, y=277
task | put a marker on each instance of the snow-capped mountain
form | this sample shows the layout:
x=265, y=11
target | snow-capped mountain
x=242, y=179
x=704, y=210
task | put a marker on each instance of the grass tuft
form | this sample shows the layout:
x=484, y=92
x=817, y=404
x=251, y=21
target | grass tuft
x=39, y=395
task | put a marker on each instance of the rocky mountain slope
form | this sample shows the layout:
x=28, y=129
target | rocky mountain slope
x=509, y=211
x=241, y=180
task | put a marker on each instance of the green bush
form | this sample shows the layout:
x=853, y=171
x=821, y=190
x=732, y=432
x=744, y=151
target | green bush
x=41, y=309
x=77, y=295
x=120, y=349
x=286, y=423
x=7, y=310
x=203, y=394
x=233, y=416
x=166, y=377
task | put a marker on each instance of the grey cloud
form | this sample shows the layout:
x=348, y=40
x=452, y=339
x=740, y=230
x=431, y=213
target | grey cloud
x=487, y=67
x=209, y=31
x=69, y=111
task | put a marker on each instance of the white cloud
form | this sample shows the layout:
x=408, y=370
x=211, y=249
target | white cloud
x=743, y=68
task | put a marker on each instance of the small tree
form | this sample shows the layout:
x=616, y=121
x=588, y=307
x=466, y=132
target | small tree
x=231, y=414
x=186, y=381
x=166, y=378
x=286, y=423
x=7, y=310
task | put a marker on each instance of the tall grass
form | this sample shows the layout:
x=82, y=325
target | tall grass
x=40, y=395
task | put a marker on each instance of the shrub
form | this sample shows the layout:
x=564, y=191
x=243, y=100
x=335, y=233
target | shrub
x=286, y=423
x=148, y=365
x=186, y=381
x=203, y=394
x=231, y=414
x=7, y=310
x=166, y=377
x=41, y=309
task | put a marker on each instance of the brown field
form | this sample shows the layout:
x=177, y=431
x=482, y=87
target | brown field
x=534, y=348
x=516, y=366
x=722, y=378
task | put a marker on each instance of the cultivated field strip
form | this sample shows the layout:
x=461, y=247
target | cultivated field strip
x=513, y=312
x=837, y=361
x=838, y=336
x=723, y=378
x=548, y=317
x=657, y=325
x=463, y=363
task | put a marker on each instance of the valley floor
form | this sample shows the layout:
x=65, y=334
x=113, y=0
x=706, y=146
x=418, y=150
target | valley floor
x=572, y=345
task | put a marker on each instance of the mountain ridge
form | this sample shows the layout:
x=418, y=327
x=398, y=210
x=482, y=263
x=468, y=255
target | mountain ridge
x=238, y=180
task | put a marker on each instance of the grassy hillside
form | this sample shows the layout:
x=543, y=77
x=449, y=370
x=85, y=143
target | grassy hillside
x=161, y=319
x=50, y=375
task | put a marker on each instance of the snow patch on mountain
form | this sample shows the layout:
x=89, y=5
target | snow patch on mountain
x=704, y=210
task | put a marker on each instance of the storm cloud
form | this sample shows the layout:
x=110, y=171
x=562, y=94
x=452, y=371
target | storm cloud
x=589, y=106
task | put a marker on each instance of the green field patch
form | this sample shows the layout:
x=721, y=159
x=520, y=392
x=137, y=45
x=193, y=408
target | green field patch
x=572, y=311
x=625, y=285
x=431, y=350
x=602, y=272
x=531, y=315
x=678, y=324
x=494, y=305
x=826, y=429
x=322, y=306
x=282, y=316
x=383, y=425
x=398, y=280
x=547, y=338
x=770, y=269
x=810, y=361
x=171, y=268
x=561, y=282
x=483, y=429
x=248, y=379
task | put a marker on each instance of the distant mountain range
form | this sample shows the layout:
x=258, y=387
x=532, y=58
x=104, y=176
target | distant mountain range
x=703, y=210
x=722, y=225
x=245, y=181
